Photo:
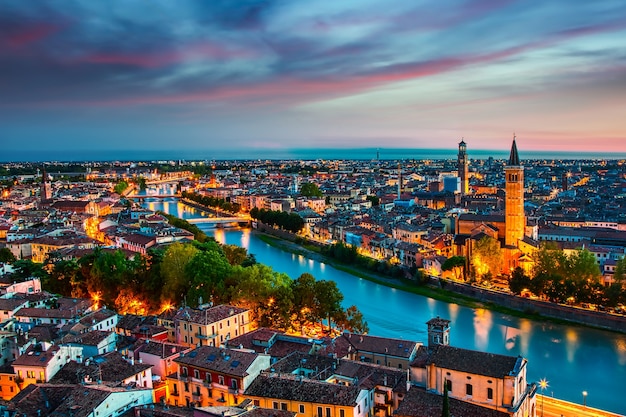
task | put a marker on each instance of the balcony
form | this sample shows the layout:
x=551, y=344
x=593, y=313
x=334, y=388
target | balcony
x=207, y=384
x=205, y=336
x=196, y=396
x=183, y=377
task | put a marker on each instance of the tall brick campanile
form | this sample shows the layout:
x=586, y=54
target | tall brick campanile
x=515, y=221
x=463, y=168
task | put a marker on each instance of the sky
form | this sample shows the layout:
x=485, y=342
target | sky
x=280, y=74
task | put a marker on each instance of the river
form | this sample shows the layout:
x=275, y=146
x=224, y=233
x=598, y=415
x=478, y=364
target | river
x=573, y=359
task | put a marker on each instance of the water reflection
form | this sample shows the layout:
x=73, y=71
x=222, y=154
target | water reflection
x=482, y=327
x=571, y=344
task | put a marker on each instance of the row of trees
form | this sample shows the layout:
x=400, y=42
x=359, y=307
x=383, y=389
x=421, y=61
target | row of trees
x=573, y=278
x=291, y=222
x=215, y=202
x=349, y=254
x=556, y=276
x=193, y=273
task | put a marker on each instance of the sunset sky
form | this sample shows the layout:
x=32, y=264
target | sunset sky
x=228, y=74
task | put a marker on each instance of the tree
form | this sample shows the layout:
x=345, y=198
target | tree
x=235, y=255
x=487, y=257
x=328, y=300
x=374, y=199
x=6, y=256
x=519, y=281
x=620, y=270
x=120, y=187
x=455, y=264
x=173, y=267
x=309, y=189
x=583, y=267
x=352, y=320
x=205, y=275
x=445, y=408
x=303, y=289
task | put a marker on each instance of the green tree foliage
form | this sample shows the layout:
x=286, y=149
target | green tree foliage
x=620, y=270
x=6, y=256
x=173, y=267
x=352, y=320
x=455, y=264
x=120, y=187
x=208, y=201
x=445, y=407
x=234, y=254
x=25, y=268
x=142, y=183
x=374, y=199
x=291, y=222
x=198, y=234
x=309, y=189
x=205, y=275
x=328, y=300
x=561, y=277
x=519, y=281
x=487, y=257
x=64, y=277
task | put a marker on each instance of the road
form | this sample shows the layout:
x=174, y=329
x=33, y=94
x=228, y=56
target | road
x=558, y=408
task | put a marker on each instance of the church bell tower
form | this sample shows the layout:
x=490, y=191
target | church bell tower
x=463, y=168
x=515, y=220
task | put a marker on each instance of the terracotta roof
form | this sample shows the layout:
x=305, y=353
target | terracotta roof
x=224, y=361
x=208, y=316
x=474, y=362
x=156, y=348
x=57, y=400
x=92, y=338
x=295, y=388
x=10, y=304
x=383, y=345
x=111, y=368
x=36, y=358
x=420, y=403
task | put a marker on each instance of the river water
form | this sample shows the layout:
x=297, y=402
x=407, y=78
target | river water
x=573, y=359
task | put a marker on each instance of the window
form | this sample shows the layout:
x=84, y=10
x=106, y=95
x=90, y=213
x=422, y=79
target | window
x=449, y=384
x=220, y=379
x=327, y=411
x=233, y=384
x=184, y=371
x=196, y=373
x=468, y=389
x=342, y=413
x=283, y=406
x=301, y=408
x=208, y=377
x=490, y=393
x=275, y=405
x=256, y=403
x=319, y=412
x=186, y=387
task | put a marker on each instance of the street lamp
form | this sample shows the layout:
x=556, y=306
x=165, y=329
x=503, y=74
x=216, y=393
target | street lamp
x=584, y=398
x=543, y=384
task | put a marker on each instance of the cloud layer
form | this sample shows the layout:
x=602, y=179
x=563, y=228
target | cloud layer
x=198, y=74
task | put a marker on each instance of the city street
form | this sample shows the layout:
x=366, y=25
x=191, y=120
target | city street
x=558, y=408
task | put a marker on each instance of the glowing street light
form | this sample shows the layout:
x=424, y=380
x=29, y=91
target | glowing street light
x=543, y=384
x=584, y=398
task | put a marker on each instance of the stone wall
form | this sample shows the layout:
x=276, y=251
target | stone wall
x=558, y=311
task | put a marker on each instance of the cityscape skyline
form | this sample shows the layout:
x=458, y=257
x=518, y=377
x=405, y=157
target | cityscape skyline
x=277, y=76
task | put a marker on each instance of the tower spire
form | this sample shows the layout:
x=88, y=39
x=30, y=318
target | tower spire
x=514, y=157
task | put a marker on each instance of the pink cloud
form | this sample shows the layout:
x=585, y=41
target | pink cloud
x=31, y=34
x=157, y=59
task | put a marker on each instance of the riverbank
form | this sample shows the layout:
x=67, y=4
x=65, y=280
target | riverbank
x=464, y=294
